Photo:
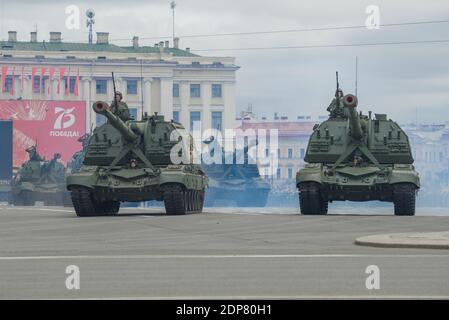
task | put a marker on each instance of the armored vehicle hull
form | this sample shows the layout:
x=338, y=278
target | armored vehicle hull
x=356, y=158
x=243, y=192
x=320, y=184
x=130, y=161
x=97, y=190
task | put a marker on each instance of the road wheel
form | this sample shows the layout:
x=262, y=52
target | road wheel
x=175, y=200
x=201, y=199
x=84, y=204
x=310, y=200
x=404, y=198
x=109, y=208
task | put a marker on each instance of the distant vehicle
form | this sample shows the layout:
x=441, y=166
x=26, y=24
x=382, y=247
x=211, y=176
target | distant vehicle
x=6, y=165
x=355, y=157
x=237, y=183
x=77, y=159
x=130, y=161
x=40, y=180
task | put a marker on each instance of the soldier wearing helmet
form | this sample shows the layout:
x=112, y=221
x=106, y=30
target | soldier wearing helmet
x=120, y=108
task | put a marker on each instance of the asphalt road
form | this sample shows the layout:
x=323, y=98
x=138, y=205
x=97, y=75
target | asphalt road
x=222, y=253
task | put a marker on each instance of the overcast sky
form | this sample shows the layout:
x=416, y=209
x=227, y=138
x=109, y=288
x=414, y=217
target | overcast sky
x=401, y=80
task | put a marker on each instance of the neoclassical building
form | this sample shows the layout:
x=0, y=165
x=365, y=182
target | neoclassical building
x=161, y=78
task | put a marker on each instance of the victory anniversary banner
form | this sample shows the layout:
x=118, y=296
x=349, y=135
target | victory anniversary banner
x=54, y=126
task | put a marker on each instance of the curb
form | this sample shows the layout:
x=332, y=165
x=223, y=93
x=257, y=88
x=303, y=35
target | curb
x=419, y=240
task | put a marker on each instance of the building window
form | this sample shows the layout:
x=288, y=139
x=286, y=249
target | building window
x=39, y=86
x=195, y=116
x=131, y=86
x=302, y=153
x=290, y=153
x=195, y=91
x=267, y=152
x=133, y=113
x=216, y=91
x=290, y=173
x=217, y=120
x=36, y=84
x=176, y=116
x=101, y=86
x=100, y=119
x=8, y=83
x=279, y=153
x=175, y=90
x=71, y=83
x=278, y=173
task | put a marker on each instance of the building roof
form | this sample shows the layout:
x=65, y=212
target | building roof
x=285, y=128
x=94, y=47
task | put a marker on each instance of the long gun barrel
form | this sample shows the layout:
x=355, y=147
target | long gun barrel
x=101, y=107
x=350, y=102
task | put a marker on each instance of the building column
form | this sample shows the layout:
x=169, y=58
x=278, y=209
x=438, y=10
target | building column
x=61, y=95
x=27, y=87
x=184, y=97
x=206, y=96
x=85, y=94
x=147, y=95
x=91, y=112
x=53, y=89
x=229, y=105
x=167, y=98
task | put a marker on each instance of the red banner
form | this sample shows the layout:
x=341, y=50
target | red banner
x=4, y=73
x=54, y=125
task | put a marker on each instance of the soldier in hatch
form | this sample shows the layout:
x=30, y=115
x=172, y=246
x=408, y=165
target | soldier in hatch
x=120, y=108
x=336, y=106
x=34, y=156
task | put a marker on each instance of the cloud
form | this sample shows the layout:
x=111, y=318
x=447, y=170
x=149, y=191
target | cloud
x=393, y=79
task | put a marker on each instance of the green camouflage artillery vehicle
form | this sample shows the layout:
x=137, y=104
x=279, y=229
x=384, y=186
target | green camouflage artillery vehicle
x=77, y=159
x=239, y=183
x=130, y=161
x=355, y=157
x=40, y=180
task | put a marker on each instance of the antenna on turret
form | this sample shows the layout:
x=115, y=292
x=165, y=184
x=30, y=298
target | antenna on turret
x=338, y=85
x=115, y=91
x=356, y=73
x=337, y=91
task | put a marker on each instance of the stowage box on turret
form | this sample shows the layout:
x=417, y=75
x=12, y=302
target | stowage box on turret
x=358, y=158
x=130, y=161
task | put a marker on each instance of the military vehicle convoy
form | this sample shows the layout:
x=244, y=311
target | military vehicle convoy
x=40, y=180
x=130, y=161
x=356, y=157
x=239, y=183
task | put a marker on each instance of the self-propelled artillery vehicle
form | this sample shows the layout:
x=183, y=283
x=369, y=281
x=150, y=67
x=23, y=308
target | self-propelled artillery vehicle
x=130, y=161
x=357, y=157
x=40, y=180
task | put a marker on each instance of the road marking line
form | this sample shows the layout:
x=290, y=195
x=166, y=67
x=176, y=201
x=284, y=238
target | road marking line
x=224, y=256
